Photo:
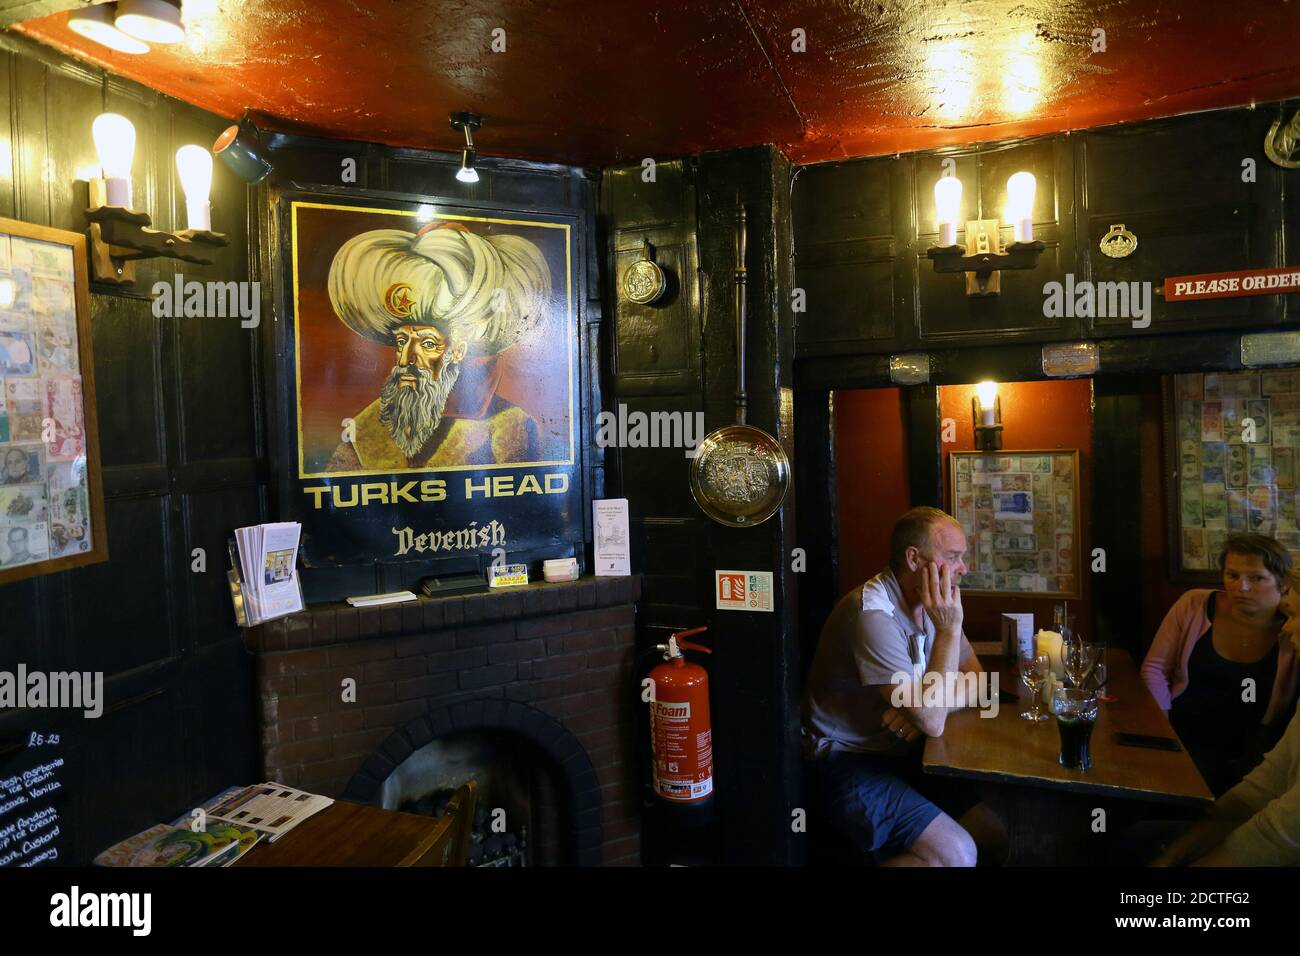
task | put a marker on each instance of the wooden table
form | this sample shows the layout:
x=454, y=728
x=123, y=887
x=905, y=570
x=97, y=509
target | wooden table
x=1009, y=749
x=351, y=834
x=1055, y=815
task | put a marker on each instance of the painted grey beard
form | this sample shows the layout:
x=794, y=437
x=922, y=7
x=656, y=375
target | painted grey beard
x=412, y=414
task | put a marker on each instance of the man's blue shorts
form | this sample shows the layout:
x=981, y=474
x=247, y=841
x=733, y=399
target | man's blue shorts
x=883, y=802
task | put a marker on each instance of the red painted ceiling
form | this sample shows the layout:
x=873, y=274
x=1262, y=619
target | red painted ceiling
x=609, y=81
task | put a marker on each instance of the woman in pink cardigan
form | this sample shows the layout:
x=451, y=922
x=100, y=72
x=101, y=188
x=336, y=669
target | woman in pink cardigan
x=1221, y=667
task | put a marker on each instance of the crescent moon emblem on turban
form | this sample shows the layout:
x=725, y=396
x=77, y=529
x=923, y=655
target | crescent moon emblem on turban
x=398, y=301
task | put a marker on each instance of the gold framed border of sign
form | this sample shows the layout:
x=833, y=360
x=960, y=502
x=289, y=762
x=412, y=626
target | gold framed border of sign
x=425, y=217
x=51, y=487
x=1030, y=499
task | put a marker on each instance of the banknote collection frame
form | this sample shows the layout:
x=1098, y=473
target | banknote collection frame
x=50, y=356
x=984, y=529
x=1240, y=484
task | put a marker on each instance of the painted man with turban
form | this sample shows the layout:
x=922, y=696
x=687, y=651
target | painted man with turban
x=448, y=302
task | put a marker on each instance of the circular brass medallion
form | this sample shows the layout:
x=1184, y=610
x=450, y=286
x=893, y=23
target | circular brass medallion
x=643, y=282
x=740, y=476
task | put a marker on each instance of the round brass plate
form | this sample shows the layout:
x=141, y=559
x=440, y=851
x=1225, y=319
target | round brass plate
x=644, y=282
x=740, y=476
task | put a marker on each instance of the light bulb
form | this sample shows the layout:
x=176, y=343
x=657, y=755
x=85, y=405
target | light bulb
x=467, y=173
x=987, y=393
x=194, y=166
x=115, y=143
x=947, y=207
x=1020, y=204
x=96, y=23
x=156, y=21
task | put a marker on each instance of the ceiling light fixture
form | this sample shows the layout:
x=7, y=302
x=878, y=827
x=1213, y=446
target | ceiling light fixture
x=467, y=123
x=96, y=23
x=154, y=21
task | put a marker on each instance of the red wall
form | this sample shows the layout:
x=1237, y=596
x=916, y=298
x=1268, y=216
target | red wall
x=1035, y=415
x=871, y=478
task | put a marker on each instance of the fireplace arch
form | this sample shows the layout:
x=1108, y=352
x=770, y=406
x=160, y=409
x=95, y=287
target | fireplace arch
x=566, y=754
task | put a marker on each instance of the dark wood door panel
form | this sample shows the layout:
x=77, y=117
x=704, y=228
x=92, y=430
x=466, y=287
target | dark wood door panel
x=127, y=382
x=121, y=610
x=209, y=519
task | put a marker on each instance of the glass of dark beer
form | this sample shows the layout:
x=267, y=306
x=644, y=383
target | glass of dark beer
x=1076, y=712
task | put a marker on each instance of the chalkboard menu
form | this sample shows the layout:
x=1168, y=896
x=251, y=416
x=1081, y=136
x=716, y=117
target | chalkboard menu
x=32, y=798
x=1232, y=440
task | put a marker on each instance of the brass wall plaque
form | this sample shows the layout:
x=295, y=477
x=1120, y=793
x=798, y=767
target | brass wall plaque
x=1270, y=348
x=912, y=368
x=1071, y=359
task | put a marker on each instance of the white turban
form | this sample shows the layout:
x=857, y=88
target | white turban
x=488, y=292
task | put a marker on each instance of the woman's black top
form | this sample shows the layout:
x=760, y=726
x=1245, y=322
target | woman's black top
x=1221, y=731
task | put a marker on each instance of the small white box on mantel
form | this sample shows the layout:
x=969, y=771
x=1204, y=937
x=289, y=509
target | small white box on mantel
x=1017, y=631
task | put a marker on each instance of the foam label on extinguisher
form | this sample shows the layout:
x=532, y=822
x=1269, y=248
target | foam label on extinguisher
x=683, y=761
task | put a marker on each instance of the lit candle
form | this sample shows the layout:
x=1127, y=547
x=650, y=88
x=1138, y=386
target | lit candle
x=115, y=143
x=987, y=393
x=194, y=166
x=947, y=207
x=1020, y=205
x=1049, y=643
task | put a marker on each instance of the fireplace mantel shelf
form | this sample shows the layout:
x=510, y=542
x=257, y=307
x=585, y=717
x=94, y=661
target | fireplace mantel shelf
x=337, y=622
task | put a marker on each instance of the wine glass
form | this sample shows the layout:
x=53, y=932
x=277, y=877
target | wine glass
x=1078, y=659
x=1097, y=679
x=1034, y=670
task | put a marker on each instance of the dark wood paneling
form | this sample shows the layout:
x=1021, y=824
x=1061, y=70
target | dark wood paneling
x=1177, y=185
x=178, y=414
x=849, y=236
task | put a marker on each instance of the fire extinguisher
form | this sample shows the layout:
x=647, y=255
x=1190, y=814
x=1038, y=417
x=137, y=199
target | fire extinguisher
x=681, y=736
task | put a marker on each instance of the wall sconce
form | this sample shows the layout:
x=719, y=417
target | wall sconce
x=986, y=413
x=987, y=257
x=119, y=234
x=467, y=123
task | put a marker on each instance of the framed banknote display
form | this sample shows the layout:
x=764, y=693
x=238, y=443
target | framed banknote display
x=1020, y=511
x=1231, y=444
x=51, y=502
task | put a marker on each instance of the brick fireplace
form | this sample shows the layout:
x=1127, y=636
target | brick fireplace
x=549, y=664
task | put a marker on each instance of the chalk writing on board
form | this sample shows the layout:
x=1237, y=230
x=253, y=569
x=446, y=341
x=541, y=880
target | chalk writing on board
x=29, y=817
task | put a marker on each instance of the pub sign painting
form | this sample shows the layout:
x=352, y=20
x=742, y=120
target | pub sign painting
x=433, y=352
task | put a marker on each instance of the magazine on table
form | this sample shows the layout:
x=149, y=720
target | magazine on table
x=272, y=808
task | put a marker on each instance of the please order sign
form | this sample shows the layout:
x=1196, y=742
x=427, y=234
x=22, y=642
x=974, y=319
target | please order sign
x=1225, y=285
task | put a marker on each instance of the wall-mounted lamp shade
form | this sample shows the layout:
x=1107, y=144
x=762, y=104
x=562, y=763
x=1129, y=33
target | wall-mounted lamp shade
x=115, y=143
x=1020, y=204
x=467, y=173
x=947, y=207
x=96, y=23
x=154, y=21
x=8, y=293
x=987, y=394
x=194, y=166
x=239, y=149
